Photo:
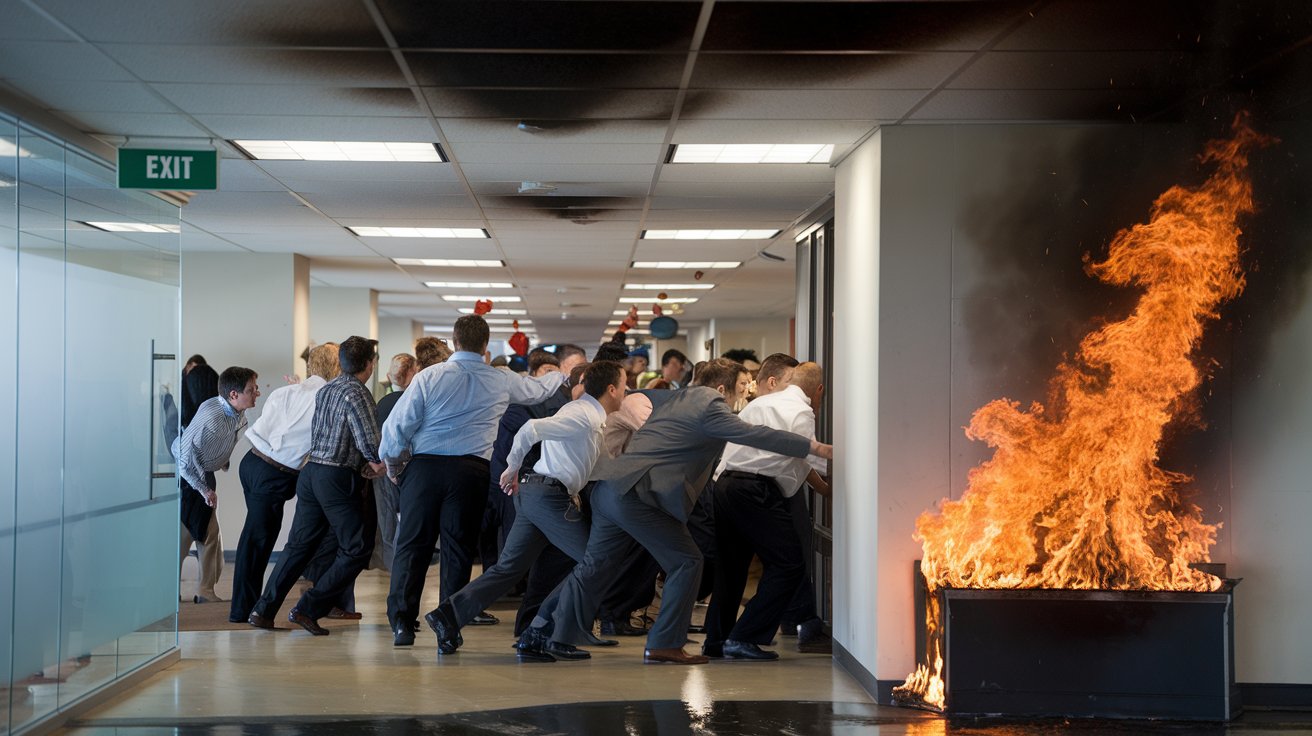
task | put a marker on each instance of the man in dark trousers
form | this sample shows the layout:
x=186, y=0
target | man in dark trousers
x=280, y=442
x=330, y=493
x=645, y=496
x=546, y=500
x=437, y=441
x=386, y=494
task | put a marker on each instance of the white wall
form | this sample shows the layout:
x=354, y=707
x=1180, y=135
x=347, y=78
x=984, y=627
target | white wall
x=395, y=335
x=245, y=310
x=765, y=336
x=856, y=406
x=338, y=312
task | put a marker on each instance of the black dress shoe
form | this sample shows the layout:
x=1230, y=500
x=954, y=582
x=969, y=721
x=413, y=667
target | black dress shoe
x=484, y=619
x=307, y=623
x=403, y=634
x=714, y=651
x=259, y=621
x=566, y=651
x=621, y=628
x=532, y=646
x=746, y=650
x=594, y=641
x=442, y=620
x=415, y=625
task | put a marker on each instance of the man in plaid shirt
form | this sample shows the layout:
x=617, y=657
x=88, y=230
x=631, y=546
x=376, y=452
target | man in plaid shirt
x=330, y=493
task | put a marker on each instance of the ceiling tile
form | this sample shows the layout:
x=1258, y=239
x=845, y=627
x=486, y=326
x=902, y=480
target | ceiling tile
x=138, y=125
x=542, y=152
x=502, y=130
x=535, y=104
x=825, y=71
x=59, y=60
x=92, y=95
x=240, y=65
x=254, y=99
x=799, y=104
x=273, y=126
x=801, y=130
x=555, y=71
x=560, y=172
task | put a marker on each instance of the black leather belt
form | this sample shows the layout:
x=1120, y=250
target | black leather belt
x=274, y=463
x=542, y=480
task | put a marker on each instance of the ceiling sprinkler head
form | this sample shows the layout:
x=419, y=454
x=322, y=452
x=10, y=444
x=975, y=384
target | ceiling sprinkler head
x=535, y=187
x=528, y=127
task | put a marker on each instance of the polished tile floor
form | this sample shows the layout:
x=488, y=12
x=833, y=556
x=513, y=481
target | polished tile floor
x=354, y=682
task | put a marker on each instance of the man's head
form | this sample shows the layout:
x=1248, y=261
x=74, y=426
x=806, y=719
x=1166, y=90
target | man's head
x=745, y=356
x=540, y=362
x=673, y=365
x=776, y=370
x=570, y=355
x=431, y=351
x=402, y=370
x=470, y=334
x=636, y=365
x=611, y=351
x=575, y=381
x=729, y=378
x=192, y=362
x=808, y=377
x=238, y=387
x=322, y=361
x=357, y=356
x=605, y=381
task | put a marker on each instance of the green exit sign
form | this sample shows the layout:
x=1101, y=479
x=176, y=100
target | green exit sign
x=165, y=170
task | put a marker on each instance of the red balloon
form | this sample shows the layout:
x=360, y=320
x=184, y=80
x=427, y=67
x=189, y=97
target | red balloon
x=519, y=343
x=482, y=306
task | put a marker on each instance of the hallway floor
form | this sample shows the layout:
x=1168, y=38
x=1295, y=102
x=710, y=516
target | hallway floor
x=287, y=683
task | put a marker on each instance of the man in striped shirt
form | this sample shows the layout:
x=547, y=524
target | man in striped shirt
x=330, y=493
x=202, y=449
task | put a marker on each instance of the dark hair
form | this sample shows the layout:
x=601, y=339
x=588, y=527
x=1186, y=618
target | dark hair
x=431, y=351
x=576, y=374
x=600, y=375
x=196, y=360
x=234, y=378
x=566, y=350
x=671, y=354
x=741, y=355
x=611, y=351
x=355, y=352
x=470, y=334
x=538, y=358
x=199, y=385
x=776, y=365
x=720, y=373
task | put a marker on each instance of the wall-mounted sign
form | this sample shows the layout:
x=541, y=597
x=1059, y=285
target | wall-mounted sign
x=168, y=170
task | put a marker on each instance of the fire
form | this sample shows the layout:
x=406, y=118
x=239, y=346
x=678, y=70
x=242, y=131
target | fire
x=1073, y=497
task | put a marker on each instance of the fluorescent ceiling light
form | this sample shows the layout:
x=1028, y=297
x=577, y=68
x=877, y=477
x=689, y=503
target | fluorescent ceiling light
x=340, y=151
x=464, y=298
x=420, y=232
x=498, y=310
x=641, y=312
x=631, y=332
x=648, y=299
x=685, y=264
x=668, y=287
x=497, y=321
x=448, y=263
x=752, y=153
x=134, y=227
x=708, y=234
x=468, y=285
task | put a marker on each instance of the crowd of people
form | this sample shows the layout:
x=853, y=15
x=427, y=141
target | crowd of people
x=586, y=481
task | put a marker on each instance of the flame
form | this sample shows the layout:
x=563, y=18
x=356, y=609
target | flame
x=1073, y=497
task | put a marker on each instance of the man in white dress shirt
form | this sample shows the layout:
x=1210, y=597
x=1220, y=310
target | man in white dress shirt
x=752, y=517
x=280, y=440
x=546, y=503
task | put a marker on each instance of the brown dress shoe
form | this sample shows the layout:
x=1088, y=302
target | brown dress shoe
x=345, y=615
x=672, y=656
x=259, y=621
x=307, y=623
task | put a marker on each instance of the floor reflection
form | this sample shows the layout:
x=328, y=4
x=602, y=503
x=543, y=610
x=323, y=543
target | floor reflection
x=675, y=718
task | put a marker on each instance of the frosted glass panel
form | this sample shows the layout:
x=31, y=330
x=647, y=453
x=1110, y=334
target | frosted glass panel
x=89, y=513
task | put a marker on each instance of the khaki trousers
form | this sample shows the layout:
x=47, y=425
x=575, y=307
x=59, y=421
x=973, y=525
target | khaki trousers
x=210, y=555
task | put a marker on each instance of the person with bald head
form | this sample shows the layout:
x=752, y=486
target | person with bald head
x=753, y=489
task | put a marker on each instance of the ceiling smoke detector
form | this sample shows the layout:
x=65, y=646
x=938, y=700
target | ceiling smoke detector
x=535, y=187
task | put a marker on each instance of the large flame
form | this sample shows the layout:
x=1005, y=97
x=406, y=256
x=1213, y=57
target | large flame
x=1073, y=497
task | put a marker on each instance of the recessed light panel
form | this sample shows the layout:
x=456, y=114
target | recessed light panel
x=752, y=153
x=468, y=285
x=341, y=151
x=420, y=232
x=708, y=234
x=668, y=287
x=649, y=299
x=134, y=227
x=497, y=310
x=448, y=263
x=463, y=298
x=685, y=264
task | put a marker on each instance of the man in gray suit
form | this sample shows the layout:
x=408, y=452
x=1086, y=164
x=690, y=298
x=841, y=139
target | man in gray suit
x=644, y=498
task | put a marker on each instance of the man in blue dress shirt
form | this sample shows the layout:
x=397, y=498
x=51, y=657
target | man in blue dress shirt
x=436, y=444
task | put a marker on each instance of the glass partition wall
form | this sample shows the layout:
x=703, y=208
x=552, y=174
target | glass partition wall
x=89, y=324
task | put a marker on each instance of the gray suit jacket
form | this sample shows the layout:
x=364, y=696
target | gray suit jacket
x=670, y=459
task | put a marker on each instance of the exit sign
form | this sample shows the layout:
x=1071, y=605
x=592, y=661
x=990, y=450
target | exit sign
x=166, y=170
